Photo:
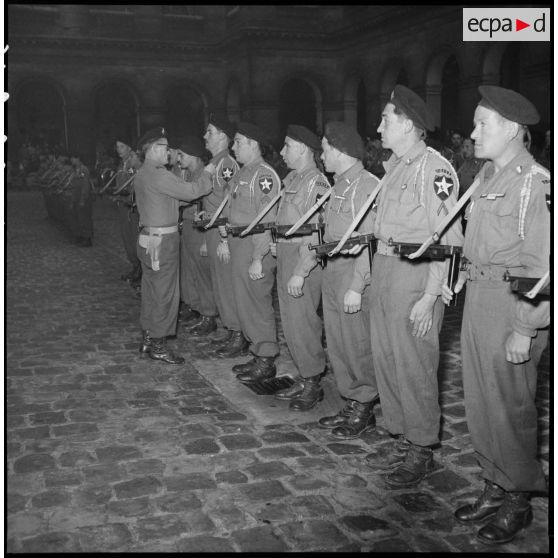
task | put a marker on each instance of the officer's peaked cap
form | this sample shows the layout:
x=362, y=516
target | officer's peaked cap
x=250, y=130
x=345, y=138
x=303, y=135
x=509, y=104
x=152, y=136
x=412, y=106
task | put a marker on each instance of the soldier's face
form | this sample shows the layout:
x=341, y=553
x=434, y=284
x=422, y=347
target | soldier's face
x=122, y=149
x=160, y=150
x=242, y=149
x=329, y=156
x=291, y=152
x=184, y=159
x=468, y=148
x=391, y=128
x=173, y=156
x=212, y=138
x=491, y=133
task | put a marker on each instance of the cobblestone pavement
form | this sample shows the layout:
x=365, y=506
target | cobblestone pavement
x=107, y=452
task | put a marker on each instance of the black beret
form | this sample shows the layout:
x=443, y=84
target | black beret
x=126, y=139
x=253, y=132
x=304, y=135
x=192, y=145
x=224, y=125
x=152, y=136
x=412, y=106
x=345, y=138
x=509, y=104
x=174, y=141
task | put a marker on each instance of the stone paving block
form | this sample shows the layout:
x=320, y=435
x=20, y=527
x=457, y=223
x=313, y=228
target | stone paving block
x=196, y=430
x=231, y=477
x=172, y=525
x=56, y=542
x=76, y=458
x=202, y=446
x=51, y=417
x=192, y=481
x=306, y=482
x=417, y=502
x=21, y=408
x=230, y=417
x=86, y=415
x=259, y=539
x=145, y=466
x=33, y=433
x=51, y=498
x=50, y=370
x=273, y=437
x=135, y=507
x=266, y=490
x=117, y=453
x=204, y=543
x=141, y=486
x=15, y=502
x=314, y=534
x=106, y=472
x=34, y=462
x=24, y=525
x=269, y=470
x=240, y=441
x=20, y=372
x=365, y=525
x=316, y=463
x=105, y=538
x=346, y=449
x=62, y=478
x=430, y=544
x=311, y=506
x=92, y=495
x=391, y=545
x=280, y=452
x=446, y=481
x=177, y=502
x=78, y=429
x=226, y=516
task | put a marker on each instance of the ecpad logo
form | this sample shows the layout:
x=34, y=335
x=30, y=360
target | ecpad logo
x=506, y=24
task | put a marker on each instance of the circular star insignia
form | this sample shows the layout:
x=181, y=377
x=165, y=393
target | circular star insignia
x=227, y=173
x=443, y=186
x=265, y=184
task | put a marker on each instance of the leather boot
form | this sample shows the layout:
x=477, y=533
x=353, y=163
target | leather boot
x=263, y=369
x=312, y=394
x=207, y=325
x=160, y=351
x=394, y=456
x=484, y=507
x=145, y=345
x=418, y=463
x=292, y=391
x=244, y=367
x=360, y=419
x=236, y=346
x=338, y=419
x=186, y=313
x=220, y=340
x=512, y=516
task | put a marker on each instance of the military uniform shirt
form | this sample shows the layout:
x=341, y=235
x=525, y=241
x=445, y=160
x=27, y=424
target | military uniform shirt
x=225, y=168
x=302, y=189
x=420, y=189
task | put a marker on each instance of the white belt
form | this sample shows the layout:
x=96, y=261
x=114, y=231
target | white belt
x=384, y=249
x=159, y=231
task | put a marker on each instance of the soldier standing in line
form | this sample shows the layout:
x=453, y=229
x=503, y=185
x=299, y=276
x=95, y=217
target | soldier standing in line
x=299, y=278
x=128, y=218
x=158, y=193
x=406, y=311
x=345, y=285
x=195, y=275
x=253, y=266
x=82, y=202
x=504, y=334
x=217, y=137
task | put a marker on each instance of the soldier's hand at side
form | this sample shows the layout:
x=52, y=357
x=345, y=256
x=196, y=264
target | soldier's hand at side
x=518, y=347
x=352, y=301
x=447, y=293
x=273, y=248
x=223, y=252
x=421, y=316
x=294, y=286
x=203, y=250
x=255, y=271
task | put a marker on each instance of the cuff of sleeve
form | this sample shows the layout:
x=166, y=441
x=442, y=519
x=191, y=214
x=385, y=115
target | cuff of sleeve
x=357, y=285
x=523, y=329
x=433, y=287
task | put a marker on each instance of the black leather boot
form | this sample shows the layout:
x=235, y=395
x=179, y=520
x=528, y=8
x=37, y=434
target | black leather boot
x=312, y=394
x=145, y=345
x=484, y=507
x=219, y=341
x=512, y=516
x=236, y=346
x=418, y=463
x=360, y=419
x=186, y=313
x=207, y=325
x=338, y=419
x=244, y=367
x=390, y=457
x=160, y=351
x=292, y=391
x=263, y=369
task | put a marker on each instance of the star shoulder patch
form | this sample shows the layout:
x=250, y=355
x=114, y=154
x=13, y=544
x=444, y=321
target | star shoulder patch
x=227, y=173
x=266, y=183
x=443, y=186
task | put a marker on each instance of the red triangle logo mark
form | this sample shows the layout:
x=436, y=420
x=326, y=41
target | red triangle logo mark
x=519, y=25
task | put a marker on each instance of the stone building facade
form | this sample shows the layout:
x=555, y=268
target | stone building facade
x=77, y=74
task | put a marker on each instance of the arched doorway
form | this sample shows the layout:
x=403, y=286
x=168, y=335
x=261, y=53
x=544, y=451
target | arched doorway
x=116, y=112
x=297, y=105
x=185, y=112
x=510, y=76
x=41, y=114
x=450, y=118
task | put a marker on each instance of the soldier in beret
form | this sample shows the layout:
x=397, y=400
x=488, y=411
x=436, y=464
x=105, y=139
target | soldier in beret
x=218, y=135
x=345, y=285
x=299, y=278
x=158, y=194
x=128, y=219
x=253, y=267
x=503, y=333
x=420, y=188
x=195, y=275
